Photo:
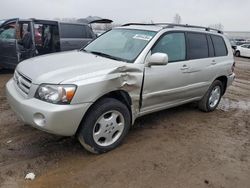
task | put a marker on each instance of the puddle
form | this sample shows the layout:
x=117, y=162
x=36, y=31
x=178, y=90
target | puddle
x=227, y=104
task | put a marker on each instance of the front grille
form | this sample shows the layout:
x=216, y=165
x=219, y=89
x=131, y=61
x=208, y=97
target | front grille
x=23, y=82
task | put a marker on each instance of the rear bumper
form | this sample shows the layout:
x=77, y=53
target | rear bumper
x=56, y=119
x=230, y=79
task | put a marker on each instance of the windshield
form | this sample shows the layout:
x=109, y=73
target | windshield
x=121, y=44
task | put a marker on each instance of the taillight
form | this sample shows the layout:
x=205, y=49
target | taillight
x=233, y=67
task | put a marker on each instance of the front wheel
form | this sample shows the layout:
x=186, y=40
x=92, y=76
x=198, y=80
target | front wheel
x=212, y=98
x=105, y=126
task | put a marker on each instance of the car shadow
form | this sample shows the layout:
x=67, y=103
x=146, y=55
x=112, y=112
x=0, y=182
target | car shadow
x=6, y=71
x=38, y=147
x=36, y=143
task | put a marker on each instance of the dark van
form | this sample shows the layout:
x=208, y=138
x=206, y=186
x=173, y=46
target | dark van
x=23, y=39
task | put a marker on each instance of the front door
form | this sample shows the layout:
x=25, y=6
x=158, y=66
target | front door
x=167, y=85
x=8, y=44
x=248, y=51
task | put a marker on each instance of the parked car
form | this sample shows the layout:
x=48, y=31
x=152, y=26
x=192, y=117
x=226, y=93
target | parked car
x=23, y=39
x=243, y=50
x=98, y=92
x=240, y=40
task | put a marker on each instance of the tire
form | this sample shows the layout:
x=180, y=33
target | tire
x=105, y=126
x=212, y=98
x=237, y=53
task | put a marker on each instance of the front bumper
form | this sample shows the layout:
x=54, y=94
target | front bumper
x=56, y=119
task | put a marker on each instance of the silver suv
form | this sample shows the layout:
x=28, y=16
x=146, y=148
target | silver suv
x=96, y=93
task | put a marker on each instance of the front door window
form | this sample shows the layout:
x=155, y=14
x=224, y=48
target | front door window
x=172, y=44
x=8, y=32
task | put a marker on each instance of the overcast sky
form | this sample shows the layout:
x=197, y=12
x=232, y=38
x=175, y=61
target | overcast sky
x=232, y=14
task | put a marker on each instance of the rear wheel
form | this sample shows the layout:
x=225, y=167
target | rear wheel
x=237, y=53
x=105, y=126
x=212, y=98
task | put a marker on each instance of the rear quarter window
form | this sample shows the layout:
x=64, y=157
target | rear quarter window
x=75, y=31
x=219, y=46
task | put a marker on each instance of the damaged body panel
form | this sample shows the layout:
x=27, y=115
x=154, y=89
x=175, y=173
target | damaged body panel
x=97, y=75
x=127, y=78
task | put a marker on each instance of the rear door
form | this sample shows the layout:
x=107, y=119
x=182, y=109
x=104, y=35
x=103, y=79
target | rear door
x=201, y=61
x=46, y=36
x=208, y=57
x=74, y=36
x=8, y=44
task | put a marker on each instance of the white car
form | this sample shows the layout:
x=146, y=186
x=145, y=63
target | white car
x=243, y=50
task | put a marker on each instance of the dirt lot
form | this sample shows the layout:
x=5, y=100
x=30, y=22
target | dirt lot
x=180, y=147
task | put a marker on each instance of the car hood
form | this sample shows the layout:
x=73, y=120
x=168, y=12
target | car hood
x=57, y=68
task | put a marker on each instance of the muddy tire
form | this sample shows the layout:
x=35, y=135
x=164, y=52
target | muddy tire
x=237, y=53
x=211, y=99
x=105, y=126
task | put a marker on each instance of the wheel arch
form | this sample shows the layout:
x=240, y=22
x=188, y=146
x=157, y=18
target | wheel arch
x=237, y=51
x=119, y=95
x=223, y=80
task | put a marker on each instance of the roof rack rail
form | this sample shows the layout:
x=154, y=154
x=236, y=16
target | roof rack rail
x=171, y=25
x=127, y=24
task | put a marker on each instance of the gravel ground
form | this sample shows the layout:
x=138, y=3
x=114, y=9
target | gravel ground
x=179, y=147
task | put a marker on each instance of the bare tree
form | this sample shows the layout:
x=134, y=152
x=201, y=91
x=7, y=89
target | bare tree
x=177, y=19
x=115, y=25
x=218, y=26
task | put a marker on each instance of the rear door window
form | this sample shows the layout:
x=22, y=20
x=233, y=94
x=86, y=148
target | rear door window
x=174, y=45
x=197, y=46
x=244, y=46
x=219, y=46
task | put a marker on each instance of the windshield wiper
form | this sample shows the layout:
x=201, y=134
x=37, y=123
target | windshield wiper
x=106, y=55
x=83, y=50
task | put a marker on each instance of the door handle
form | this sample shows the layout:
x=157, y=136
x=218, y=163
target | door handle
x=213, y=62
x=184, y=67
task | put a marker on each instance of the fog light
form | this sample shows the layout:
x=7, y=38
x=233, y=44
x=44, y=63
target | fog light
x=39, y=119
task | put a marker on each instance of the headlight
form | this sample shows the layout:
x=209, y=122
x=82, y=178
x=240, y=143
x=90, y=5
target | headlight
x=57, y=94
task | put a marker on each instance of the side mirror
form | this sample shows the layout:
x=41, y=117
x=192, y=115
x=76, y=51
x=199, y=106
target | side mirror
x=158, y=59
